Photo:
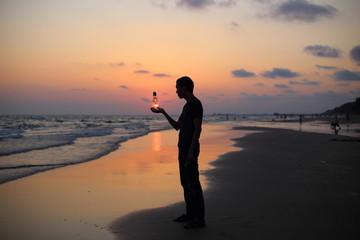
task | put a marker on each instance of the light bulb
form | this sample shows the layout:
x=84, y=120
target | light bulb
x=155, y=103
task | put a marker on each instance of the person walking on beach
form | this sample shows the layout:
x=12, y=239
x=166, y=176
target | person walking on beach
x=335, y=124
x=189, y=124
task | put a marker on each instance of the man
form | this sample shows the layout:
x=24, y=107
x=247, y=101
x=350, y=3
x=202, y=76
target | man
x=189, y=125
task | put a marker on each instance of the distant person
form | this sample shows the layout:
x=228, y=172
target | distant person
x=335, y=125
x=300, y=121
x=189, y=124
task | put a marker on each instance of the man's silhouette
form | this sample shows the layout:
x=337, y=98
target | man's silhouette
x=189, y=125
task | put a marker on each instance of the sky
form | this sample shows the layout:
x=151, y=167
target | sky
x=244, y=56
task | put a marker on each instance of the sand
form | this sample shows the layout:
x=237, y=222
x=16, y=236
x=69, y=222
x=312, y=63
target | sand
x=272, y=184
x=284, y=184
x=81, y=201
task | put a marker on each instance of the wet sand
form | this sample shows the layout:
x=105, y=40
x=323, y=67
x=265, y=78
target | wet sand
x=284, y=184
x=81, y=201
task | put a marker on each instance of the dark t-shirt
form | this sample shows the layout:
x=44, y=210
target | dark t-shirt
x=191, y=111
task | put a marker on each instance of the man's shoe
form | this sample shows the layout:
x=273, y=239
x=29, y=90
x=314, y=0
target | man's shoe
x=194, y=225
x=183, y=218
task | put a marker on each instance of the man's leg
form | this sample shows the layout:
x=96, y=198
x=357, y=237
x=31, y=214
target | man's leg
x=196, y=194
x=185, y=184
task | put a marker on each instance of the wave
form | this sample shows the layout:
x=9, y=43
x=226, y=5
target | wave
x=32, y=144
x=46, y=139
x=34, y=166
x=29, y=145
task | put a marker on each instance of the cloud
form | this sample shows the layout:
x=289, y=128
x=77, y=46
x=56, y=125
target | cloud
x=281, y=86
x=342, y=84
x=227, y=3
x=355, y=54
x=160, y=3
x=142, y=71
x=242, y=73
x=280, y=72
x=195, y=4
x=200, y=4
x=323, y=51
x=259, y=84
x=304, y=82
x=302, y=11
x=119, y=64
x=145, y=100
x=330, y=95
x=235, y=24
x=124, y=87
x=161, y=75
x=346, y=75
x=211, y=97
x=326, y=67
x=290, y=91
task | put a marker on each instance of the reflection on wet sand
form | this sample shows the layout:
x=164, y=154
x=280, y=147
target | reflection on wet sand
x=81, y=200
x=156, y=141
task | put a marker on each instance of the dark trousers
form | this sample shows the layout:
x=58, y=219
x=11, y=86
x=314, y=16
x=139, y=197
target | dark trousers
x=189, y=177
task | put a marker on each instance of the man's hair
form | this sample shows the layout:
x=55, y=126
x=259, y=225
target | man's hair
x=186, y=82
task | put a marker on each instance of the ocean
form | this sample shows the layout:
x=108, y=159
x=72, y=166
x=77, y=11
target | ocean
x=32, y=144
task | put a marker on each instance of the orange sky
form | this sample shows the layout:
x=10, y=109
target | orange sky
x=107, y=57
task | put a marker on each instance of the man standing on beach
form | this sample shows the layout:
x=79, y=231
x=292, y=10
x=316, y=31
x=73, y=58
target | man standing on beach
x=189, y=125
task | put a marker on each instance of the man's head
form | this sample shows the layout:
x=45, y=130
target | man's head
x=184, y=85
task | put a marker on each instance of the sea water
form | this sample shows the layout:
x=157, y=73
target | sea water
x=31, y=144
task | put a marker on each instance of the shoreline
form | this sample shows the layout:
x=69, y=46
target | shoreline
x=349, y=128
x=48, y=167
x=80, y=201
x=270, y=184
x=283, y=184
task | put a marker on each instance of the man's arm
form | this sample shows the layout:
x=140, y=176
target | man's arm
x=195, y=139
x=174, y=124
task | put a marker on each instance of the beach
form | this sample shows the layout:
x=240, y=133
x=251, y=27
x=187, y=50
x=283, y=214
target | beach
x=263, y=184
x=81, y=201
x=283, y=184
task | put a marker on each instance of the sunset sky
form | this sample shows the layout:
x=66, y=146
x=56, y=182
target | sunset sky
x=245, y=56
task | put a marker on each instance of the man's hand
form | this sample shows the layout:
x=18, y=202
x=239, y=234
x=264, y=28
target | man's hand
x=157, y=110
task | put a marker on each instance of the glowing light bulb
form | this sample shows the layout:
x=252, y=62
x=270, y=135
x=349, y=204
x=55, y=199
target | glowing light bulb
x=155, y=103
